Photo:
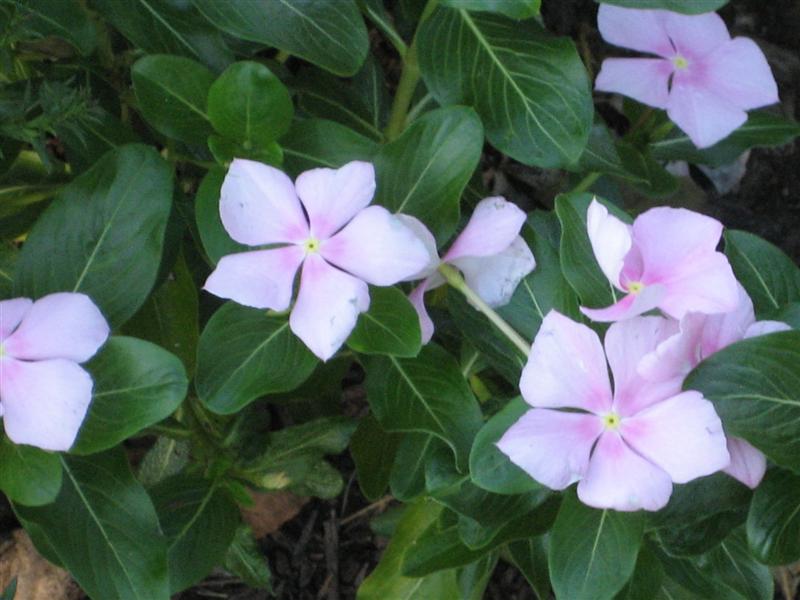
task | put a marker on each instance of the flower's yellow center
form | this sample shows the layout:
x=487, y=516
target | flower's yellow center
x=611, y=420
x=634, y=287
x=680, y=62
x=311, y=245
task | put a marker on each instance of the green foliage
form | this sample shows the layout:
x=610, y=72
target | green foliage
x=390, y=326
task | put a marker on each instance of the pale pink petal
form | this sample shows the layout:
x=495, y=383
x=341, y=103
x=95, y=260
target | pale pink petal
x=738, y=71
x=493, y=226
x=552, y=446
x=695, y=36
x=703, y=115
x=61, y=325
x=11, y=314
x=377, y=247
x=630, y=306
x=258, y=205
x=566, y=367
x=748, y=465
x=705, y=284
x=765, y=327
x=620, y=479
x=417, y=298
x=723, y=329
x=682, y=435
x=643, y=79
x=332, y=197
x=261, y=278
x=424, y=234
x=636, y=29
x=677, y=355
x=610, y=239
x=494, y=278
x=44, y=402
x=327, y=307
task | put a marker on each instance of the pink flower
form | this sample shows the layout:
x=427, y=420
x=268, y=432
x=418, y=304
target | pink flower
x=44, y=394
x=489, y=252
x=322, y=222
x=625, y=449
x=666, y=260
x=699, y=337
x=703, y=78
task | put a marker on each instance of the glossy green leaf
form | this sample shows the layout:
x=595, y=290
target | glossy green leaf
x=28, y=475
x=66, y=19
x=789, y=314
x=8, y=261
x=529, y=87
x=199, y=520
x=103, y=528
x=593, y=552
x=407, y=480
x=245, y=560
x=427, y=393
x=516, y=9
x=312, y=143
x=171, y=92
x=732, y=563
x=98, y=135
x=103, y=235
x=373, y=450
x=438, y=548
x=167, y=457
x=770, y=277
x=645, y=173
x=530, y=557
x=245, y=353
x=692, y=580
x=250, y=105
x=331, y=35
x=390, y=326
x=136, y=384
x=691, y=7
x=216, y=241
x=646, y=579
x=773, y=523
x=601, y=155
x=424, y=172
x=755, y=387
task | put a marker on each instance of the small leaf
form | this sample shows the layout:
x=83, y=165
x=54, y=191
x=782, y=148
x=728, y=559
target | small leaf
x=390, y=326
x=167, y=457
x=28, y=475
x=312, y=143
x=216, y=241
x=245, y=560
x=66, y=19
x=373, y=450
x=773, y=524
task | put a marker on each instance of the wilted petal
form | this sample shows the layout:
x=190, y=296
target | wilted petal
x=630, y=306
x=494, y=278
x=748, y=465
x=695, y=36
x=636, y=29
x=552, y=446
x=682, y=435
x=739, y=72
x=377, y=247
x=493, y=226
x=62, y=325
x=424, y=234
x=620, y=479
x=764, y=327
x=705, y=284
x=610, y=239
x=703, y=115
x=643, y=79
x=417, y=298
x=332, y=197
x=258, y=205
x=261, y=279
x=11, y=314
x=566, y=367
x=44, y=402
x=327, y=306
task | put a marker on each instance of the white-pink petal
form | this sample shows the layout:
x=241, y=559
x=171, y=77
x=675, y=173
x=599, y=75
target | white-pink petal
x=260, y=279
x=748, y=464
x=704, y=284
x=630, y=306
x=424, y=234
x=765, y=327
x=642, y=30
x=552, y=446
x=702, y=114
x=738, y=71
x=258, y=205
x=417, y=298
x=643, y=79
x=44, y=402
x=494, y=278
x=493, y=226
x=610, y=239
x=695, y=36
x=11, y=314
x=327, y=306
x=332, y=197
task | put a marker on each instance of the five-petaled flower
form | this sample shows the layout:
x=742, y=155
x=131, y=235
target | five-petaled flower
x=667, y=260
x=322, y=222
x=626, y=448
x=703, y=78
x=44, y=393
x=489, y=252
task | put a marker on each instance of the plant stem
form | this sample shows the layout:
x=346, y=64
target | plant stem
x=585, y=183
x=454, y=278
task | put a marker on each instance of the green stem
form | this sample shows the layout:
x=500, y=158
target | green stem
x=454, y=278
x=660, y=132
x=585, y=183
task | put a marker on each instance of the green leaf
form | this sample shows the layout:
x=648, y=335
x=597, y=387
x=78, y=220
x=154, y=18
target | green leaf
x=645, y=173
x=489, y=468
x=167, y=27
x=11, y=590
x=103, y=235
x=424, y=172
x=331, y=35
x=373, y=450
x=390, y=326
x=691, y=7
x=243, y=354
x=427, y=393
x=172, y=92
x=167, y=457
x=646, y=579
x=529, y=87
x=136, y=384
x=530, y=557
x=601, y=155
x=28, y=475
x=97, y=136
x=8, y=261
x=103, y=528
x=250, y=105
x=438, y=548
x=216, y=241
x=732, y=563
x=516, y=9
x=66, y=19
x=245, y=560
x=755, y=387
x=773, y=523
x=692, y=580
x=312, y=143
x=762, y=129
x=789, y=314
x=407, y=480
x=592, y=552
x=199, y=519
x=770, y=277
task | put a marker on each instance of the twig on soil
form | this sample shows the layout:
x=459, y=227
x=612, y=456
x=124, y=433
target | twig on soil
x=331, y=529
x=377, y=505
